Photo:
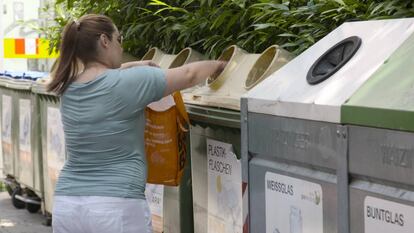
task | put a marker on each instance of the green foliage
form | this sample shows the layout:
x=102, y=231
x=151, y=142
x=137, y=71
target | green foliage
x=209, y=26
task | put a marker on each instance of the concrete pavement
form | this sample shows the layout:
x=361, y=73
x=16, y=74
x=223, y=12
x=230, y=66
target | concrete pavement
x=13, y=220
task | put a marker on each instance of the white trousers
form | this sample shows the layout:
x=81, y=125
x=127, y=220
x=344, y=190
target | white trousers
x=91, y=214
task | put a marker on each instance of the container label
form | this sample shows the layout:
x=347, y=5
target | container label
x=224, y=188
x=387, y=216
x=55, y=144
x=292, y=205
x=25, y=131
x=155, y=198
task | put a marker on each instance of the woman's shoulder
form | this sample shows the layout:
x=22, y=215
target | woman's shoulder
x=88, y=79
x=138, y=70
x=141, y=74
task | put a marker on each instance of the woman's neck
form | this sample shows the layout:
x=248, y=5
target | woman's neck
x=96, y=65
x=91, y=71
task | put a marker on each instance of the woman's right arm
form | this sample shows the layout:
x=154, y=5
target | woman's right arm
x=191, y=74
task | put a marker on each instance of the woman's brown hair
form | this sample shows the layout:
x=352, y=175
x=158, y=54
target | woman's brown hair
x=79, y=44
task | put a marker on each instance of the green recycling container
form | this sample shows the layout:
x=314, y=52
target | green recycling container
x=380, y=116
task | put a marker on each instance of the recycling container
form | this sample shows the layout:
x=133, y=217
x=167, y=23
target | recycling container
x=381, y=150
x=6, y=157
x=219, y=196
x=171, y=206
x=52, y=140
x=28, y=160
x=9, y=121
x=295, y=142
x=1, y=150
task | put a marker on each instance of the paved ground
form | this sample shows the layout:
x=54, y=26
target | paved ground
x=13, y=220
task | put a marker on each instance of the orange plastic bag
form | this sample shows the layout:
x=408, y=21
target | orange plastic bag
x=165, y=140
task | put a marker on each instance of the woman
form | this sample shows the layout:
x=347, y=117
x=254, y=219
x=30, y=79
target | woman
x=101, y=186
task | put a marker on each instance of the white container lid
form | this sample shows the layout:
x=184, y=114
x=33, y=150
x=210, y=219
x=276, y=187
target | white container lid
x=287, y=92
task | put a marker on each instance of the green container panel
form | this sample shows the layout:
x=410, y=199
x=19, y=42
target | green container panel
x=386, y=100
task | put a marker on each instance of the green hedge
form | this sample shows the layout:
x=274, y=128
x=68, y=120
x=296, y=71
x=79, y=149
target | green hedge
x=209, y=26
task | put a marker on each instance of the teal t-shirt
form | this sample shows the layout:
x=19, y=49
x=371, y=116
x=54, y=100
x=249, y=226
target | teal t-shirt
x=104, y=122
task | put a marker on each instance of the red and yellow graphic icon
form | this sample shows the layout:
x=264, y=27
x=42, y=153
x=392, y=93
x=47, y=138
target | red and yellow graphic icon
x=27, y=48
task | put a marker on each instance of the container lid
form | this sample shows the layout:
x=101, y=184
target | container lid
x=222, y=89
x=159, y=57
x=20, y=80
x=386, y=100
x=243, y=71
x=41, y=88
x=13, y=74
x=19, y=84
x=34, y=75
x=346, y=57
x=4, y=80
